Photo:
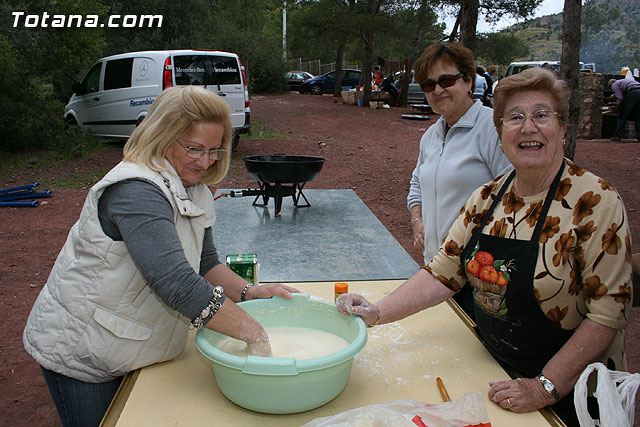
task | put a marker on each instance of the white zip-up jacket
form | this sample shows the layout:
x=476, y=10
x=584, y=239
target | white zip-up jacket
x=450, y=166
x=96, y=318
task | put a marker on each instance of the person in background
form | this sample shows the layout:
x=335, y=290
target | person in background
x=377, y=77
x=387, y=86
x=458, y=153
x=140, y=266
x=488, y=94
x=481, y=86
x=547, y=251
x=627, y=95
x=491, y=70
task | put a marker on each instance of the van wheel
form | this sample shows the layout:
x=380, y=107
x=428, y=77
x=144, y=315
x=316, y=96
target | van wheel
x=235, y=141
x=316, y=90
x=71, y=125
x=70, y=122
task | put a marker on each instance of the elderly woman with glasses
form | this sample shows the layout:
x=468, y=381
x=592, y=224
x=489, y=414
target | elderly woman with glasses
x=546, y=250
x=140, y=266
x=458, y=153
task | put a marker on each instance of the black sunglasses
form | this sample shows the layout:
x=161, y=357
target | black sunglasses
x=444, y=81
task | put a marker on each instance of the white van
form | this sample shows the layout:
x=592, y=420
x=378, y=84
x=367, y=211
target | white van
x=118, y=90
x=516, y=67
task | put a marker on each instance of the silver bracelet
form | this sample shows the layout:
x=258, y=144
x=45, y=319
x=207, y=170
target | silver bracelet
x=243, y=295
x=416, y=220
x=210, y=310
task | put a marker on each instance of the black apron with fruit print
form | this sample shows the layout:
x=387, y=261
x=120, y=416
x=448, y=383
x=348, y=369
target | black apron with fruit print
x=510, y=321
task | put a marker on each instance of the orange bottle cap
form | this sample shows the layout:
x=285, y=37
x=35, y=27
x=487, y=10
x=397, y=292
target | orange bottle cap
x=342, y=287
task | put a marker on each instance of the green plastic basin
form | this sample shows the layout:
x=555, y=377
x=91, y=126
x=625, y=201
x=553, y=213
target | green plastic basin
x=282, y=385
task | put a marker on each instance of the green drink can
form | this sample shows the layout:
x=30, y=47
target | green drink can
x=245, y=266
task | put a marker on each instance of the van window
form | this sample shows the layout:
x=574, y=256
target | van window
x=117, y=73
x=91, y=82
x=514, y=70
x=206, y=70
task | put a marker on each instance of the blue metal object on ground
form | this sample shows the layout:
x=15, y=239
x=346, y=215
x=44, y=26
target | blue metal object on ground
x=14, y=196
x=26, y=195
x=19, y=204
x=21, y=188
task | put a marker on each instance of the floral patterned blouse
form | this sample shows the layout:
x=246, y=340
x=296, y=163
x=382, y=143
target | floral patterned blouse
x=584, y=262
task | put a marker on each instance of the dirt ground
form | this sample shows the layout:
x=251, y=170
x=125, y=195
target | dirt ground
x=372, y=152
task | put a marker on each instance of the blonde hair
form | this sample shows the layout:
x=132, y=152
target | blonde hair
x=531, y=79
x=171, y=116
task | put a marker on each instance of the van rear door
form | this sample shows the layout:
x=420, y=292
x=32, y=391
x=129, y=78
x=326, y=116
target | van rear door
x=216, y=72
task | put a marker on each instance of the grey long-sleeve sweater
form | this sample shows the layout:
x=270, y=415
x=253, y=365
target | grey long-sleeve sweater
x=137, y=212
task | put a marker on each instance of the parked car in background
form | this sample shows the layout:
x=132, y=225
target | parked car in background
x=117, y=92
x=415, y=94
x=516, y=67
x=324, y=83
x=296, y=78
x=589, y=67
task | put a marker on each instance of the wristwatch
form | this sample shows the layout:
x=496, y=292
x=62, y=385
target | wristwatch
x=548, y=386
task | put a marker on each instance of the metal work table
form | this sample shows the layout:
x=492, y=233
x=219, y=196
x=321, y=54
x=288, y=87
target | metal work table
x=337, y=238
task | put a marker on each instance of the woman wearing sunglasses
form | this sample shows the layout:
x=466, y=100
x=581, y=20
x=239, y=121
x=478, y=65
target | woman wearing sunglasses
x=140, y=266
x=546, y=249
x=458, y=153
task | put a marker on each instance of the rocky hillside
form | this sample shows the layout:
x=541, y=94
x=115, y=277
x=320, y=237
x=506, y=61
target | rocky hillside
x=610, y=35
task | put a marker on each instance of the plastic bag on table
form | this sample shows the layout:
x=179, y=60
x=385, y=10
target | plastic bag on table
x=468, y=411
x=616, y=391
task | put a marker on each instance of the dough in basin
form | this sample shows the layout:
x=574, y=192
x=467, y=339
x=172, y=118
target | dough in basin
x=287, y=341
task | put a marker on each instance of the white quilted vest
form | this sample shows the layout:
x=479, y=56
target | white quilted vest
x=96, y=318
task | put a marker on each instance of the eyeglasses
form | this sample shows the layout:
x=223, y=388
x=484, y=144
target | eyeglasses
x=197, y=152
x=444, y=81
x=541, y=118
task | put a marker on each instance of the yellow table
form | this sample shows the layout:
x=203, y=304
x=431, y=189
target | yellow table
x=400, y=361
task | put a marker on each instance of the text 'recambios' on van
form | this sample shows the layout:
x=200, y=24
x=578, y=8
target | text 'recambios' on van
x=147, y=101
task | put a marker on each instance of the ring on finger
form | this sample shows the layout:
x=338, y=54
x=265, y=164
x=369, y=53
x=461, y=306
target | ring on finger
x=509, y=402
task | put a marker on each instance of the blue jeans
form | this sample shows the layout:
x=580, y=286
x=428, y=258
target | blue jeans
x=629, y=110
x=79, y=403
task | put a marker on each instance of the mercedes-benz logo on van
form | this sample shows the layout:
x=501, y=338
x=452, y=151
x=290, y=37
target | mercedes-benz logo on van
x=144, y=68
